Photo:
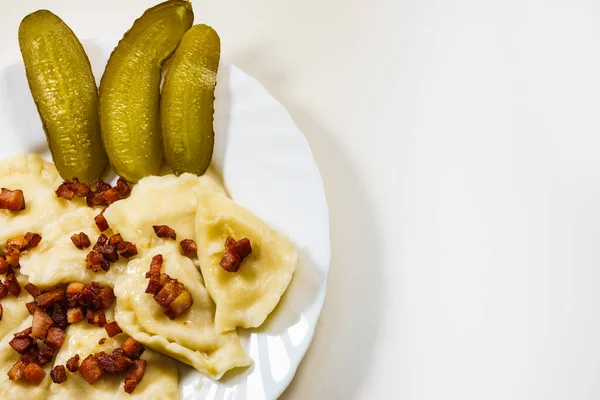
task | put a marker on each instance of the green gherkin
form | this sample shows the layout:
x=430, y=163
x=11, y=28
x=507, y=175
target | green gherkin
x=64, y=91
x=130, y=89
x=187, y=103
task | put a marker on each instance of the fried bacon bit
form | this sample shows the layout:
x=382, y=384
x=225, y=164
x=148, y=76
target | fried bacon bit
x=12, y=254
x=74, y=315
x=81, y=240
x=174, y=298
x=132, y=348
x=27, y=242
x=41, y=324
x=31, y=307
x=154, y=285
x=3, y=290
x=115, y=239
x=101, y=222
x=21, y=343
x=164, y=231
x=16, y=371
x=74, y=288
x=97, y=318
x=55, y=337
x=105, y=195
x=90, y=369
x=235, y=253
x=134, y=375
x=34, y=373
x=59, y=316
x=127, y=249
x=45, y=356
x=169, y=293
x=189, y=248
x=48, y=299
x=114, y=362
x=108, y=252
x=33, y=290
x=12, y=284
x=95, y=261
x=112, y=328
x=12, y=200
x=69, y=189
x=4, y=265
x=23, y=333
x=104, y=298
x=58, y=374
x=73, y=363
x=102, y=341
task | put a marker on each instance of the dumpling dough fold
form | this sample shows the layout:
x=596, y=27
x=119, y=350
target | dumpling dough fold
x=191, y=337
x=244, y=298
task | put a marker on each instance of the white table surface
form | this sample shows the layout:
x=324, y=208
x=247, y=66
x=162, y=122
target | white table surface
x=459, y=142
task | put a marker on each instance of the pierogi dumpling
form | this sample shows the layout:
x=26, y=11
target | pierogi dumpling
x=244, y=298
x=191, y=336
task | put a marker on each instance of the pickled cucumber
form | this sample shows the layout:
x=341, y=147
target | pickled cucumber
x=187, y=102
x=130, y=89
x=64, y=91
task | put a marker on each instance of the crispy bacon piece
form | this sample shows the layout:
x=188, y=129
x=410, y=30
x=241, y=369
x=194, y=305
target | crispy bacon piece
x=115, y=239
x=101, y=222
x=48, y=299
x=127, y=249
x=12, y=284
x=123, y=187
x=154, y=285
x=24, y=243
x=164, y=231
x=73, y=363
x=235, y=253
x=12, y=255
x=55, y=337
x=3, y=290
x=74, y=315
x=112, y=328
x=81, y=240
x=102, y=240
x=134, y=375
x=69, y=189
x=174, y=298
x=33, y=290
x=108, y=252
x=189, y=248
x=41, y=324
x=97, y=318
x=34, y=373
x=21, y=344
x=90, y=369
x=31, y=307
x=104, y=298
x=23, y=333
x=45, y=356
x=12, y=200
x=105, y=195
x=4, y=265
x=102, y=341
x=95, y=261
x=114, y=362
x=58, y=374
x=16, y=371
x=132, y=348
x=74, y=288
x=169, y=293
x=59, y=316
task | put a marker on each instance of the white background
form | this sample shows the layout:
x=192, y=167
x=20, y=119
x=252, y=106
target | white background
x=459, y=142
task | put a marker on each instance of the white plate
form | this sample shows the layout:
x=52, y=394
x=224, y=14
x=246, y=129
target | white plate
x=267, y=167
